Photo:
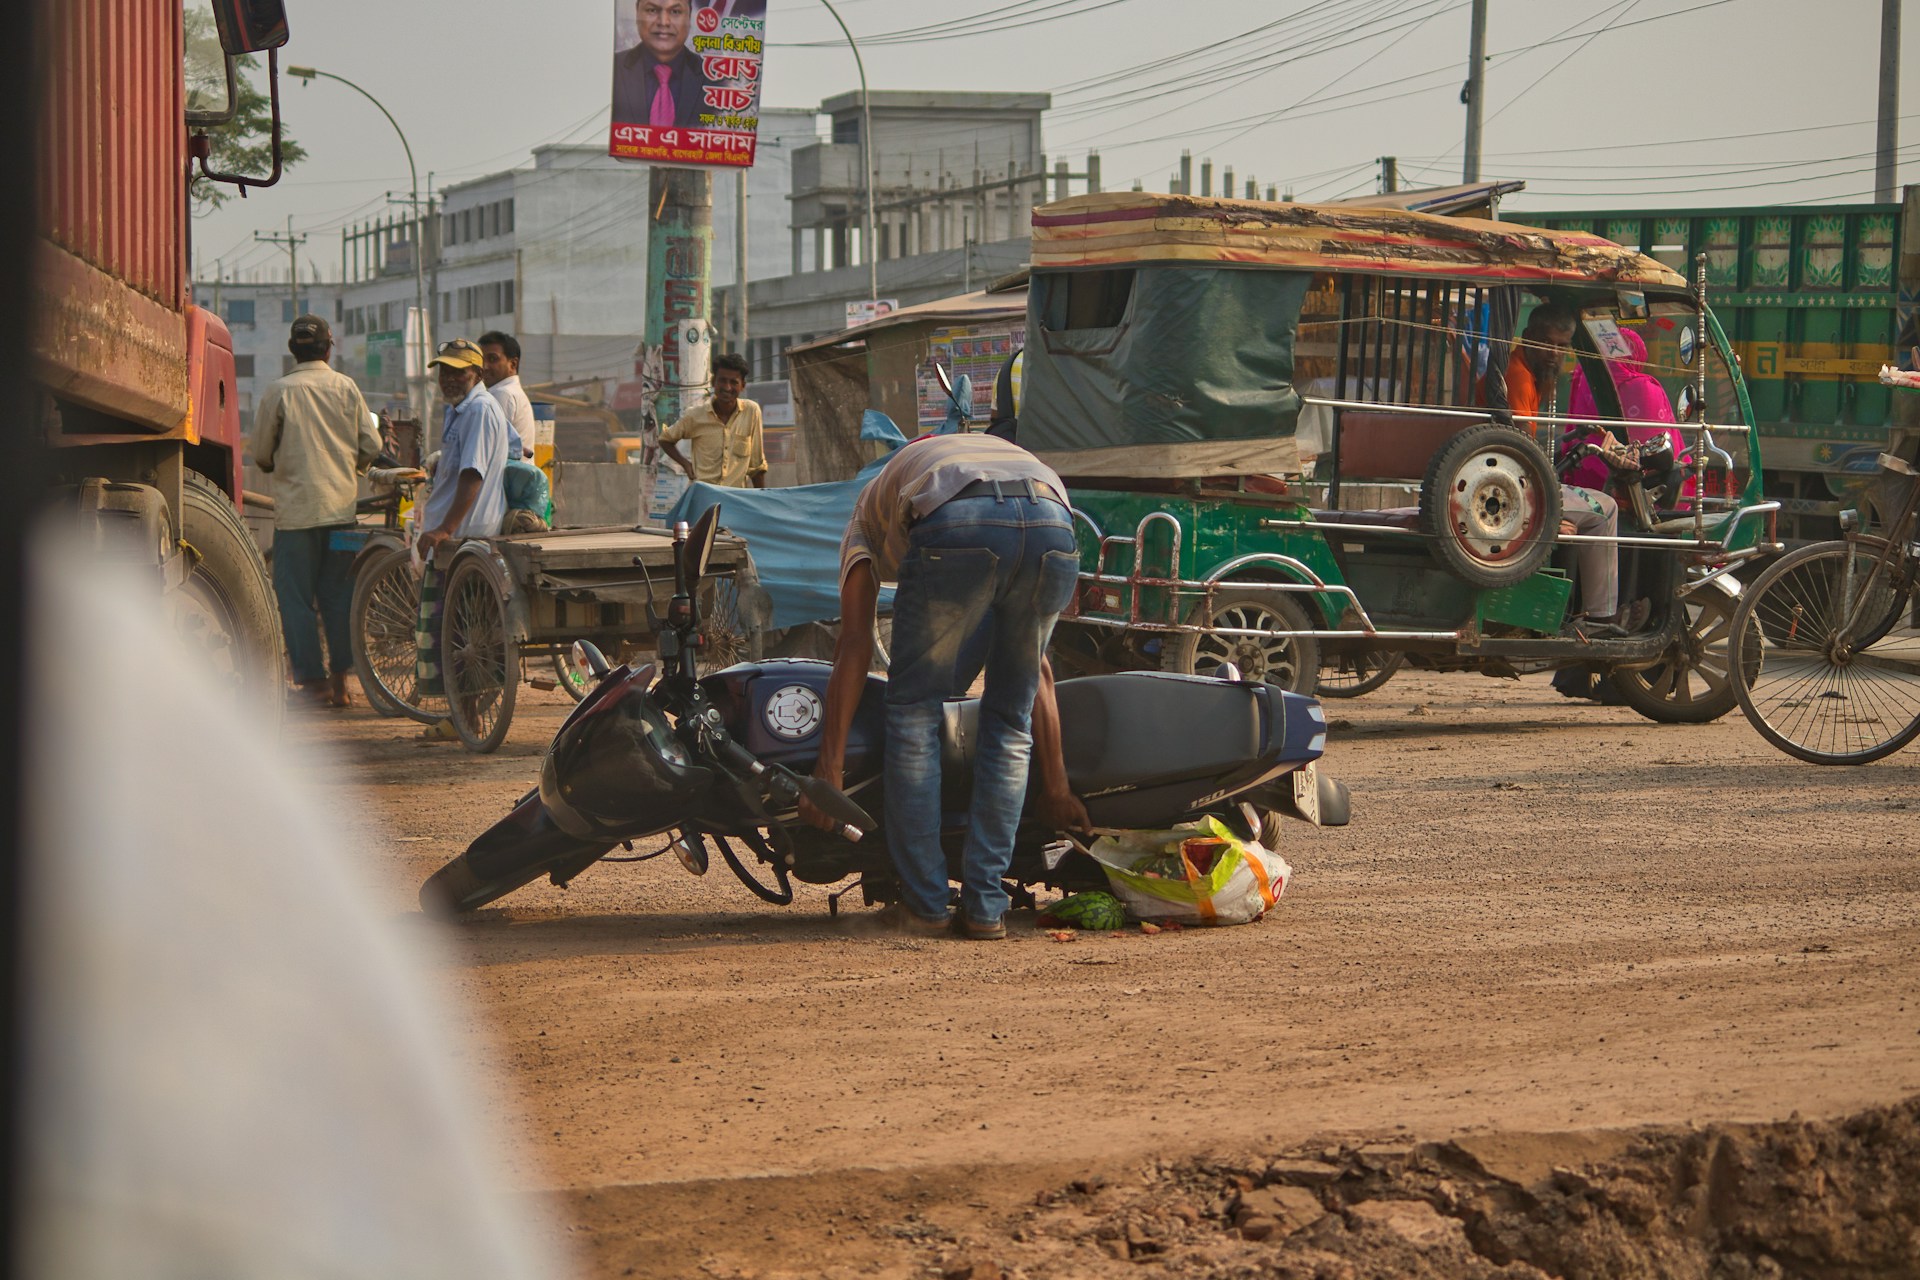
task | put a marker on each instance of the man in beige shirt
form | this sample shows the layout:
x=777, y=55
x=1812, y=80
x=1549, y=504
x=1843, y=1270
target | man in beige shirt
x=725, y=433
x=312, y=433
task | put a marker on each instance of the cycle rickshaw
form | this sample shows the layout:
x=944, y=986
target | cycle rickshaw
x=515, y=604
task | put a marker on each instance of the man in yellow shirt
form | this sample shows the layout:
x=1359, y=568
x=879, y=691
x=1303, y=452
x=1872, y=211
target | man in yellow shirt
x=725, y=433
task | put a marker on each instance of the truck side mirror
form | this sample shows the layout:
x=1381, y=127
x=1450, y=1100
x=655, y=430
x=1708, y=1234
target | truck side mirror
x=248, y=26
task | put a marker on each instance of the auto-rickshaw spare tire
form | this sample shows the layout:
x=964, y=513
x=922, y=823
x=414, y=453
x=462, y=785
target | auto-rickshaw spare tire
x=1490, y=506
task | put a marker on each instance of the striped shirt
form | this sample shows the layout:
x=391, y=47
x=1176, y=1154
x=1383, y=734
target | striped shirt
x=920, y=477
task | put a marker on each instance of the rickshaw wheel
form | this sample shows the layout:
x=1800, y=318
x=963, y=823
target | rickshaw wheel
x=573, y=680
x=1490, y=506
x=1349, y=675
x=1693, y=681
x=386, y=601
x=731, y=636
x=1292, y=662
x=478, y=658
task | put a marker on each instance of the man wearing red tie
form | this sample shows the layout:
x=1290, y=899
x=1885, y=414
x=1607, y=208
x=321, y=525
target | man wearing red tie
x=658, y=81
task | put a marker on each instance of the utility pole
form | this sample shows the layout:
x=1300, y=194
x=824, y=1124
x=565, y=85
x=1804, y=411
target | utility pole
x=1887, y=141
x=1389, y=174
x=740, y=255
x=679, y=275
x=1475, y=90
x=293, y=243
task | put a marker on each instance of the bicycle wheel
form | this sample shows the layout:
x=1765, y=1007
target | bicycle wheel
x=1351, y=674
x=1837, y=677
x=479, y=660
x=386, y=598
x=731, y=636
x=574, y=680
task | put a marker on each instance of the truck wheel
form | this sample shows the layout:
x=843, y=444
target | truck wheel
x=1291, y=662
x=1490, y=506
x=226, y=606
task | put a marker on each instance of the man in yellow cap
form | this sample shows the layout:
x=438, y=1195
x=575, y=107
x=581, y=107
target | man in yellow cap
x=467, y=499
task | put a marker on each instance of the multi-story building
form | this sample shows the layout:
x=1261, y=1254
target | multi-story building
x=958, y=177
x=259, y=316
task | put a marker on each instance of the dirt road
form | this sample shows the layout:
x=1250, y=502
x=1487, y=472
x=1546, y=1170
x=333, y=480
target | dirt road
x=1544, y=918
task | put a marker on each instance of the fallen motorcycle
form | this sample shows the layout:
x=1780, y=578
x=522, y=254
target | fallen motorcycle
x=726, y=759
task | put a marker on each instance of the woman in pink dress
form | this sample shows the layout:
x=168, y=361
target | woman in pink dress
x=1642, y=399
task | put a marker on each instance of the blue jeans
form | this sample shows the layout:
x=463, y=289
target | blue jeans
x=983, y=580
x=314, y=585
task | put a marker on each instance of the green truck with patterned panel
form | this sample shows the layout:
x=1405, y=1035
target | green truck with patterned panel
x=1186, y=354
x=1811, y=302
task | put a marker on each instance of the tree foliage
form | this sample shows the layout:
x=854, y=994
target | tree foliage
x=244, y=144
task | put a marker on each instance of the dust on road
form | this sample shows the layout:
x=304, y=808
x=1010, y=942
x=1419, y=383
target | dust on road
x=1545, y=918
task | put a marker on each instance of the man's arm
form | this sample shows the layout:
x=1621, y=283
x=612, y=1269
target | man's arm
x=367, y=449
x=757, y=457
x=669, y=436
x=1059, y=807
x=266, y=430
x=466, y=492
x=852, y=657
x=667, y=447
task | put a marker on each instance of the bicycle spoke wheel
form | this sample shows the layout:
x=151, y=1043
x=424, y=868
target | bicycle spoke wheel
x=479, y=659
x=1351, y=674
x=1837, y=679
x=574, y=679
x=386, y=598
x=730, y=634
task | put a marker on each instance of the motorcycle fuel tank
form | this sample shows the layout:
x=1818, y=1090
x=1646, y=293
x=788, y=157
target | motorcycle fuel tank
x=775, y=709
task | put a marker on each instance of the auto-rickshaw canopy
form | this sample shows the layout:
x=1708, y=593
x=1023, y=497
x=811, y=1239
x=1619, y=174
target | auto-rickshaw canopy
x=1161, y=329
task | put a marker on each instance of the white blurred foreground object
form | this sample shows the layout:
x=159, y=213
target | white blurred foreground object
x=233, y=1069
x=1892, y=377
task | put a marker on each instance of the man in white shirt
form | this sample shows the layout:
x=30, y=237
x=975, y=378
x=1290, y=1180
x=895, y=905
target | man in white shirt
x=525, y=484
x=500, y=370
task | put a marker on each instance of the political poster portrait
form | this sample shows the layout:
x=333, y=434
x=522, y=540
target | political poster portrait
x=686, y=81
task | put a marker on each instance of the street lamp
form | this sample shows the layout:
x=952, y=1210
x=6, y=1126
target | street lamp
x=418, y=379
x=866, y=156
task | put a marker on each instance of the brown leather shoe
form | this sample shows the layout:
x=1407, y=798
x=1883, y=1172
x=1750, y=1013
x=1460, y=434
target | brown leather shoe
x=989, y=931
x=895, y=918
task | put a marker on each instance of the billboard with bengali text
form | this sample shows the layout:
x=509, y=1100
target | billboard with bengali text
x=686, y=81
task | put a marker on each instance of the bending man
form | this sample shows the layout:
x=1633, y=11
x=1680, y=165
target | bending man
x=977, y=534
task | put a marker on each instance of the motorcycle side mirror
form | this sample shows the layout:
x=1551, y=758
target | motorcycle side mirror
x=587, y=654
x=946, y=379
x=699, y=547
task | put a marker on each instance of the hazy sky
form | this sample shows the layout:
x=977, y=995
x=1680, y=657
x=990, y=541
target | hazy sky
x=1590, y=102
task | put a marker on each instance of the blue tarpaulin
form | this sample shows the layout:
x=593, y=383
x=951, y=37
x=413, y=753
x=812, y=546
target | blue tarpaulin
x=794, y=534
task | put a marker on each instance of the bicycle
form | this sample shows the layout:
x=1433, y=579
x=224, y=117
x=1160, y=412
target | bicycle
x=386, y=598
x=1834, y=677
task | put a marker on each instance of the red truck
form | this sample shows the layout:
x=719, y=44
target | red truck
x=137, y=403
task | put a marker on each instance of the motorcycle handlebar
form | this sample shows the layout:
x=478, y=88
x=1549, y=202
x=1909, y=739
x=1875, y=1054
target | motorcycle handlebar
x=852, y=819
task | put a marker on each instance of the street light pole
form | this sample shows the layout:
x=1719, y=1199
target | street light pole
x=417, y=381
x=866, y=156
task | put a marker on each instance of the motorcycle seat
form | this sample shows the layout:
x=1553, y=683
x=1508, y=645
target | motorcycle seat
x=1137, y=728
